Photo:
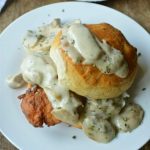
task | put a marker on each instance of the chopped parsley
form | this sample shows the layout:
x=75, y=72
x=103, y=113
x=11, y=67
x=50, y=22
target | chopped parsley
x=78, y=60
x=62, y=38
x=58, y=107
x=30, y=31
x=73, y=42
x=107, y=69
x=92, y=127
x=40, y=45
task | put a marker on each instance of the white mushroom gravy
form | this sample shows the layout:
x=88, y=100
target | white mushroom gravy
x=15, y=81
x=42, y=38
x=38, y=70
x=99, y=118
x=79, y=43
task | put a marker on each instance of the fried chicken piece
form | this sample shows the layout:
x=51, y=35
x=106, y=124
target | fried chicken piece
x=37, y=108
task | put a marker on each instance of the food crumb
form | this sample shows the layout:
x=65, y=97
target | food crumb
x=74, y=137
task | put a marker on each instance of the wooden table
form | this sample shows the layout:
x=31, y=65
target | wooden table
x=139, y=10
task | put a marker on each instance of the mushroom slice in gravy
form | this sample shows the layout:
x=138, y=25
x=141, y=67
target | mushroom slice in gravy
x=130, y=118
x=99, y=130
x=105, y=108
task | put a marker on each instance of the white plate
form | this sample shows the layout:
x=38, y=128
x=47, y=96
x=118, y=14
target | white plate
x=12, y=121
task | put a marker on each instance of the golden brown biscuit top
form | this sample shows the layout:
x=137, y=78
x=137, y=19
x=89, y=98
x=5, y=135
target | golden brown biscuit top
x=113, y=37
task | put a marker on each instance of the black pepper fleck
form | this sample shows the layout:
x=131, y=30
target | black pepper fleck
x=74, y=137
x=139, y=54
x=143, y=89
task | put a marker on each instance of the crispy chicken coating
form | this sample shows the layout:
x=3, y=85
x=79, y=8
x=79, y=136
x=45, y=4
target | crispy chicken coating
x=37, y=108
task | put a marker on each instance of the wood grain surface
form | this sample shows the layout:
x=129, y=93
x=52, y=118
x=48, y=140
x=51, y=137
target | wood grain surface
x=139, y=10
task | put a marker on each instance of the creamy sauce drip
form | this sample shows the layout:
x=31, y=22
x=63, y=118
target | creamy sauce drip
x=71, y=51
x=39, y=67
x=59, y=62
x=83, y=41
x=15, y=81
x=79, y=43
